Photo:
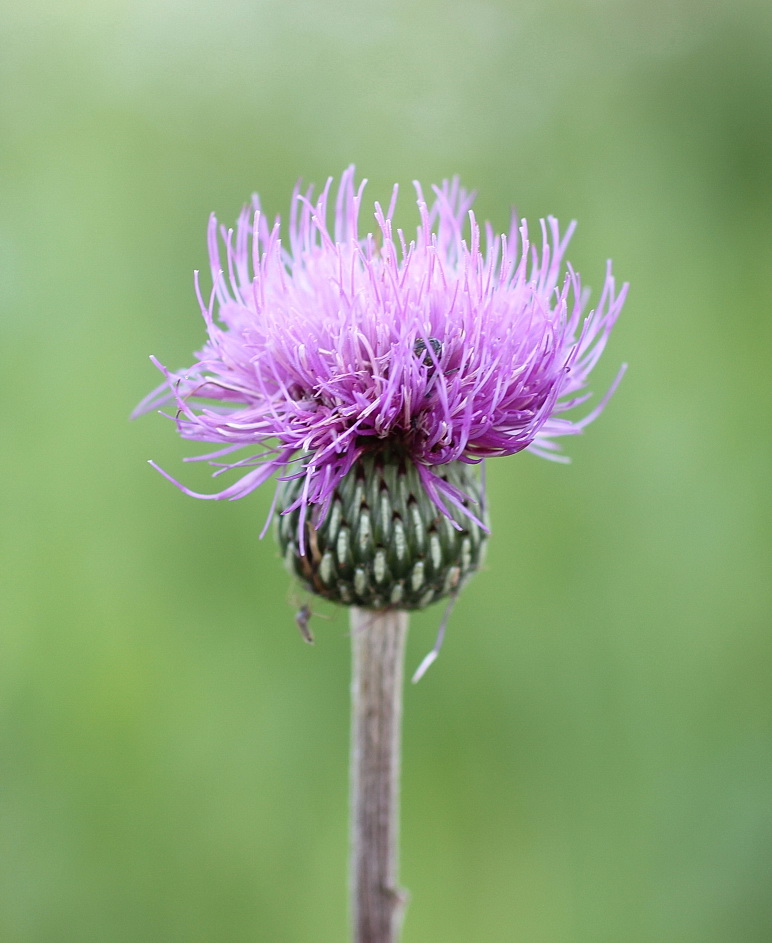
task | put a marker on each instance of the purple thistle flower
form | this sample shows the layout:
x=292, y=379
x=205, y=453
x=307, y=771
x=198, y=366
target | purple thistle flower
x=452, y=347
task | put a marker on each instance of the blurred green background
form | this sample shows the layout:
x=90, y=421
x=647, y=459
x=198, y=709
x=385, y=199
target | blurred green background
x=590, y=758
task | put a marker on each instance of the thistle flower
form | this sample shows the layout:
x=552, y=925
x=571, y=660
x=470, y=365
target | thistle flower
x=373, y=373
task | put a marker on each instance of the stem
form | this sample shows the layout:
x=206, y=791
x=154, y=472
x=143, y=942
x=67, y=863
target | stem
x=378, y=645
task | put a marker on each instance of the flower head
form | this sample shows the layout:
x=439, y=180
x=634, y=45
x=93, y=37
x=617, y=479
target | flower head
x=452, y=346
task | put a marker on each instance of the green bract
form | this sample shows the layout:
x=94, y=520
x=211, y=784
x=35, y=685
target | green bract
x=384, y=543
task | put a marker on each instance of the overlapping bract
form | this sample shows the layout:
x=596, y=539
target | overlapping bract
x=454, y=345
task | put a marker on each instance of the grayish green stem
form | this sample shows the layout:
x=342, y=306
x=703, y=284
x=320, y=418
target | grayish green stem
x=378, y=645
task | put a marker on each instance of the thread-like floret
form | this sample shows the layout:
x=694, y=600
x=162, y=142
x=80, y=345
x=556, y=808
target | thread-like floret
x=454, y=346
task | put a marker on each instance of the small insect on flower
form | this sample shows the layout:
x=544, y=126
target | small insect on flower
x=420, y=349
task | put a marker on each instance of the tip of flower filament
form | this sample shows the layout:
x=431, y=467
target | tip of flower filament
x=424, y=666
x=430, y=659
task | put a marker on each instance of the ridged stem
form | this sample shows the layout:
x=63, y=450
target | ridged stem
x=378, y=646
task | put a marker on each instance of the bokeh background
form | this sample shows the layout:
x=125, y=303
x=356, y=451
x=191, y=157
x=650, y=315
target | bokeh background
x=590, y=758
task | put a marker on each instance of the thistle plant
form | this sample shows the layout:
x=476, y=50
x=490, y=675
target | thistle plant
x=372, y=373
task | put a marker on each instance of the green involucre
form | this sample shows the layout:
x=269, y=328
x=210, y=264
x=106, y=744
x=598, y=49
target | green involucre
x=384, y=543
